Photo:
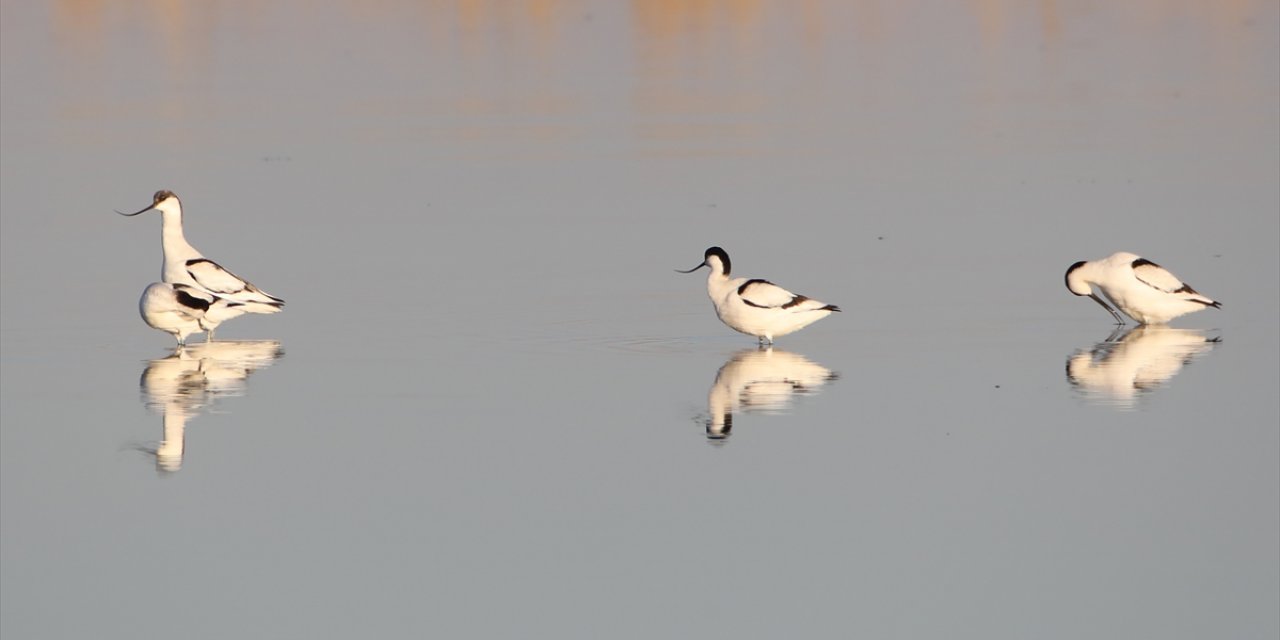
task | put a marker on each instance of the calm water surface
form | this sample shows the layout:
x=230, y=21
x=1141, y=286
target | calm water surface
x=491, y=409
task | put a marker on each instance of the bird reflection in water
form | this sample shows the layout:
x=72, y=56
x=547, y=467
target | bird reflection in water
x=185, y=384
x=1119, y=370
x=761, y=380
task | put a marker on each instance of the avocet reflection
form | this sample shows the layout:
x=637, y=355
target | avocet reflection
x=760, y=381
x=1117, y=372
x=185, y=384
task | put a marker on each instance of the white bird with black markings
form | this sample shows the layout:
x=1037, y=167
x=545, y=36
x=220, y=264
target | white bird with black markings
x=181, y=310
x=184, y=265
x=1144, y=290
x=757, y=307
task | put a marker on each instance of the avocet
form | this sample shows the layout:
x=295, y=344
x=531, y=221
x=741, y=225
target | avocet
x=181, y=310
x=184, y=265
x=1144, y=290
x=757, y=307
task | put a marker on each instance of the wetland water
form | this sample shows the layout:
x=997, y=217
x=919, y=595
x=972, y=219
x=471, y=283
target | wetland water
x=492, y=410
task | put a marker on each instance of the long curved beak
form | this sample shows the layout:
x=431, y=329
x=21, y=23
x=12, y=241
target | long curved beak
x=148, y=208
x=704, y=264
x=1119, y=320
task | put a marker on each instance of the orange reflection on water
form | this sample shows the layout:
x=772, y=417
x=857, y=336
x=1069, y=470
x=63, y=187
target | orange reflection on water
x=661, y=69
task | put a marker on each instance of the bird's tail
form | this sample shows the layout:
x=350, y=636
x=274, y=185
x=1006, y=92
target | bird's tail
x=259, y=307
x=263, y=297
x=1206, y=301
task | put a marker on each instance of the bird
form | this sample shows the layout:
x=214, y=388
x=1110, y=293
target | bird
x=757, y=307
x=183, y=264
x=182, y=310
x=1144, y=290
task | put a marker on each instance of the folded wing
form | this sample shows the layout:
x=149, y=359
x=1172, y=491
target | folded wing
x=767, y=295
x=213, y=278
x=1156, y=276
x=192, y=302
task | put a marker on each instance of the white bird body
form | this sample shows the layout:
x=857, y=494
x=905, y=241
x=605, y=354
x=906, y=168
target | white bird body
x=1144, y=290
x=184, y=265
x=757, y=307
x=181, y=310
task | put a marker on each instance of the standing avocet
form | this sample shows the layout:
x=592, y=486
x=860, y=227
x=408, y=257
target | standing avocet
x=181, y=310
x=1144, y=290
x=757, y=307
x=184, y=265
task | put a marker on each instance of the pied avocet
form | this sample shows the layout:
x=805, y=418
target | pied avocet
x=181, y=310
x=757, y=307
x=184, y=265
x=1144, y=290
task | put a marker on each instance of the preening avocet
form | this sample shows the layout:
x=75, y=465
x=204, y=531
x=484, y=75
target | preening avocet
x=181, y=310
x=757, y=307
x=1144, y=290
x=184, y=265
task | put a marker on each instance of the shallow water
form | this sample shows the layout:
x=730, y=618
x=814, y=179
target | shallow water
x=491, y=409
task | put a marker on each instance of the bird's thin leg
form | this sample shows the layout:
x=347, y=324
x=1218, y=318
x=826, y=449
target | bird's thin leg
x=208, y=336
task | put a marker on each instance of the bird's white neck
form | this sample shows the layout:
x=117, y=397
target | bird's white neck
x=717, y=284
x=176, y=249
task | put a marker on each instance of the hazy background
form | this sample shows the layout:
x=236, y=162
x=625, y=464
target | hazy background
x=485, y=416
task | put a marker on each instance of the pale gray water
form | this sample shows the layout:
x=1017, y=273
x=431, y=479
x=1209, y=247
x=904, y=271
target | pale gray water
x=486, y=415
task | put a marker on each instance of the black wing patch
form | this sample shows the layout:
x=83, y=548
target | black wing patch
x=191, y=302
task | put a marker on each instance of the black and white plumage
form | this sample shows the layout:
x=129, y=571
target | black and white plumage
x=1142, y=289
x=184, y=265
x=181, y=310
x=757, y=307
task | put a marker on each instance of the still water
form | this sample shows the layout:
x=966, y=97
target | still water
x=492, y=410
